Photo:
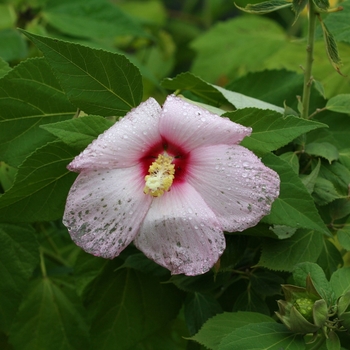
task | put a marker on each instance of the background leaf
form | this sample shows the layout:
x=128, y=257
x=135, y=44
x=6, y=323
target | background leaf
x=30, y=96
x=53, y=319
x=19, y=257
x=270, y=129
x=263, y=336
x=129, y=308
x=215, y=329
x=294, y=207
x=91, y=19
x=96, y=81
x=339, y=103
x=41, y=186
x=340, y=281
x=284, y=254
x=79, y=132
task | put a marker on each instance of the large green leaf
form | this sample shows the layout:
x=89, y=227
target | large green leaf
x=127, y=306
x=294, y=207
x=198, y=308
x=339, y=103
x=270, y=129
x=4, y=67
x=91, y=19
x=262, y=336
x=41, y=186
x=96, y=81
x=235, y=46
x=214, y=94
x=79, y=132
x=285, y=254
x=340, y=281
x=338, y=23
x=50, y=318
x=30, y=96
x=19, y=257
x=218, y=327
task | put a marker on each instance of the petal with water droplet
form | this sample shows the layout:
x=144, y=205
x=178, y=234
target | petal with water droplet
x=181, y=233
x=198, y=127
x=234, y=183
x=105, y=209
x=120, y=145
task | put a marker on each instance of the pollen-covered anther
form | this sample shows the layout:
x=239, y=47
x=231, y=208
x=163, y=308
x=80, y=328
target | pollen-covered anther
x=161, y=176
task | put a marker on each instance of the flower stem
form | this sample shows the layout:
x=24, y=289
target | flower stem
x=309, y=60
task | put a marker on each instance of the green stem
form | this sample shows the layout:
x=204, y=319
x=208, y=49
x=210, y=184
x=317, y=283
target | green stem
x=309, y=60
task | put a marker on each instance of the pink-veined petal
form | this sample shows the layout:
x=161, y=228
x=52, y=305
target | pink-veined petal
x=181, y=233
x=234, y=183
x=104, y=210
x=123, y=144
x=190, y=126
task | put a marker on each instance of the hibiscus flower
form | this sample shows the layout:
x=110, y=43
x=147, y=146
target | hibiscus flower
x=170, y=180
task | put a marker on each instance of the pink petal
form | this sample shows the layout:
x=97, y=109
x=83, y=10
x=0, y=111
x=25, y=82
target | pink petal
x=123, y=144
x=190, y=126
x=105, y=209
x=234, y=183
x=181, y=233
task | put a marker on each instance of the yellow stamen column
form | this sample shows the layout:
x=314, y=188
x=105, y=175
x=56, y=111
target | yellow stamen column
x=161, y=176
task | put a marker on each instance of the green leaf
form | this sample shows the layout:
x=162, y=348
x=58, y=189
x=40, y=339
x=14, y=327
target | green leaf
x=310, y=179
x=127, y=306
x=19, y=258
x=339, y=175
x=325, y=192
x=262, y=336
x=4, y=67
x=332, y=341
x=331, y=48
x=79, y=132
x=214, y=94
x=270, y=129
x=30, y=96
x=284, y=254
x=266, y=283
x=292, y=159
x=91, y=19
x=294, y=207
x=7, y=176
x=322, y=149
x=265, y=6
x=339, y=103
x=251, y=301
x=344, y=157
x=330, y=258
x=338, y=23
x=49, y=318
x=41, y=186
x=234, y=46
x=241, y=101
x=340, y=281
x=298, y=6
x=344, y=236
x=321, y=4
x=13, y=46
x=283, y=88
x=302, y=270
x=198, y=308
x=216, y=328
x=96, y=81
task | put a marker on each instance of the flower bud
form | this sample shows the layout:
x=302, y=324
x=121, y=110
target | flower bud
x=303, y=311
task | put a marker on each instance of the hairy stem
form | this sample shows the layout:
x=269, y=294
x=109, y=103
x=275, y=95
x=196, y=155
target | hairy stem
x=309, y=60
